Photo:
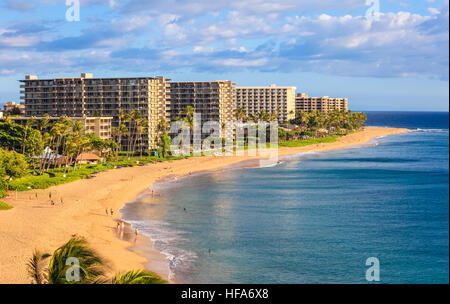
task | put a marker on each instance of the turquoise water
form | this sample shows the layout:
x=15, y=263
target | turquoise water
x=315, y=218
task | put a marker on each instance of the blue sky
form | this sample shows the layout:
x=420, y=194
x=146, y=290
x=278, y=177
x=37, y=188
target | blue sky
x=327, y=47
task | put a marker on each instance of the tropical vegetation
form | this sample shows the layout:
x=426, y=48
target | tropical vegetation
x=4, y=206
x=43, y=152
x=76, y=262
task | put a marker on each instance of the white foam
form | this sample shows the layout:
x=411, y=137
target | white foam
x=164, y=239
x=432, y=130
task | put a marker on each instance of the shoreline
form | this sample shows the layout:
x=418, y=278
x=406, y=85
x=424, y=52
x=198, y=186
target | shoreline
x=243, y=164
x=46, y=227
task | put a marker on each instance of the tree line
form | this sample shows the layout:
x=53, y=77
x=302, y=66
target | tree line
x=64, y=137
x=132, y=127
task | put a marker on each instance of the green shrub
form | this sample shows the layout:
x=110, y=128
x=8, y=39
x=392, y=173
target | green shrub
x=4, y=206
x=2, y=187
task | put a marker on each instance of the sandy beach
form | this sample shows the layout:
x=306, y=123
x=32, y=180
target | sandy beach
x=34, y=224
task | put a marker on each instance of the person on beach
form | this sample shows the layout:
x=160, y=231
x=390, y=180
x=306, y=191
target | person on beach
x=36, y=195
x=62, y=201
x=106, y=210
x=112, y=212
x=52, y=203
x=118, y=226
x=50, y=195
x=136, y=232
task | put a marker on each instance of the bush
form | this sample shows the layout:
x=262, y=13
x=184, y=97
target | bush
x=12, y=164
x=4, y=206
x=2, y=187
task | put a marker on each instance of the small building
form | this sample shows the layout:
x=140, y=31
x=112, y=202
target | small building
x=13, y=108
x=53, y=158
x=88, y=158
x=303, y=102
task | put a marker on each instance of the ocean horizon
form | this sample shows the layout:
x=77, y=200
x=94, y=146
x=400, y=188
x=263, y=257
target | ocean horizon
x=314, y=218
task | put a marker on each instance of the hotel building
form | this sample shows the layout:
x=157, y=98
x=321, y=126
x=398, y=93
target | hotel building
x=105, y=97
x=270, y=99
x=215, y=100
x=100, y=126
x=13, y=108
x=323, y=104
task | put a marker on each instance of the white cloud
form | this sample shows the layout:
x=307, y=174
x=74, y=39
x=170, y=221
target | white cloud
x=241, y=62
x=255, y=34
x=433, y=10
x=131, y=23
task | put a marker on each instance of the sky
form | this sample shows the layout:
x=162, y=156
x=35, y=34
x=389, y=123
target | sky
x=381, y=54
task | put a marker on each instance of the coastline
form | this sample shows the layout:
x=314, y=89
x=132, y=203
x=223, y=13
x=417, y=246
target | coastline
x=34, y=224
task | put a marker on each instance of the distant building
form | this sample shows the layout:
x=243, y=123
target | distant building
x=214, y=100
x=100, y=126
x=271, y=99
x=88, y=96
x=323, y=104
x=13, y=108
x=48, y=154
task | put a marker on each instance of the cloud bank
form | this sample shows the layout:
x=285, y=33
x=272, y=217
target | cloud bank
x=331, y=37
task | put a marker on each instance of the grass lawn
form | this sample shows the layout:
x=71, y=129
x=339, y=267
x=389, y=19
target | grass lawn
x=307, y=142
x=4, y=206
x=56, y=176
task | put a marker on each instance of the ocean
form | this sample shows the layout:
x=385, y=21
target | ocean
x=315, y=217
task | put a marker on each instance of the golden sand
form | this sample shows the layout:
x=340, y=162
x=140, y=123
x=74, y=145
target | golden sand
x=35, y=224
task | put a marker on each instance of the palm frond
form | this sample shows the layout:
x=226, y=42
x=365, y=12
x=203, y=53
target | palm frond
x=36, y=267
x=91, y=264
x=138, y=277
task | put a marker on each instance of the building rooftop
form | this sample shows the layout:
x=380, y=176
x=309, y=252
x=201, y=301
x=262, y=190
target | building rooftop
x=272, y=86
x=89, y=76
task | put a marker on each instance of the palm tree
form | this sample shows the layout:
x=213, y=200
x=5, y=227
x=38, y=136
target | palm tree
x=163, y=125
x=188, y=116
x=253, y=118
x=163, y=139
x=44, y=123
x=92, y=268
x=273, y=116
x=240, y=114
x=136, y=118
x=29, y=124
x=91, y=265
x=122, y=115
x=36, y=267
x=141, y=129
